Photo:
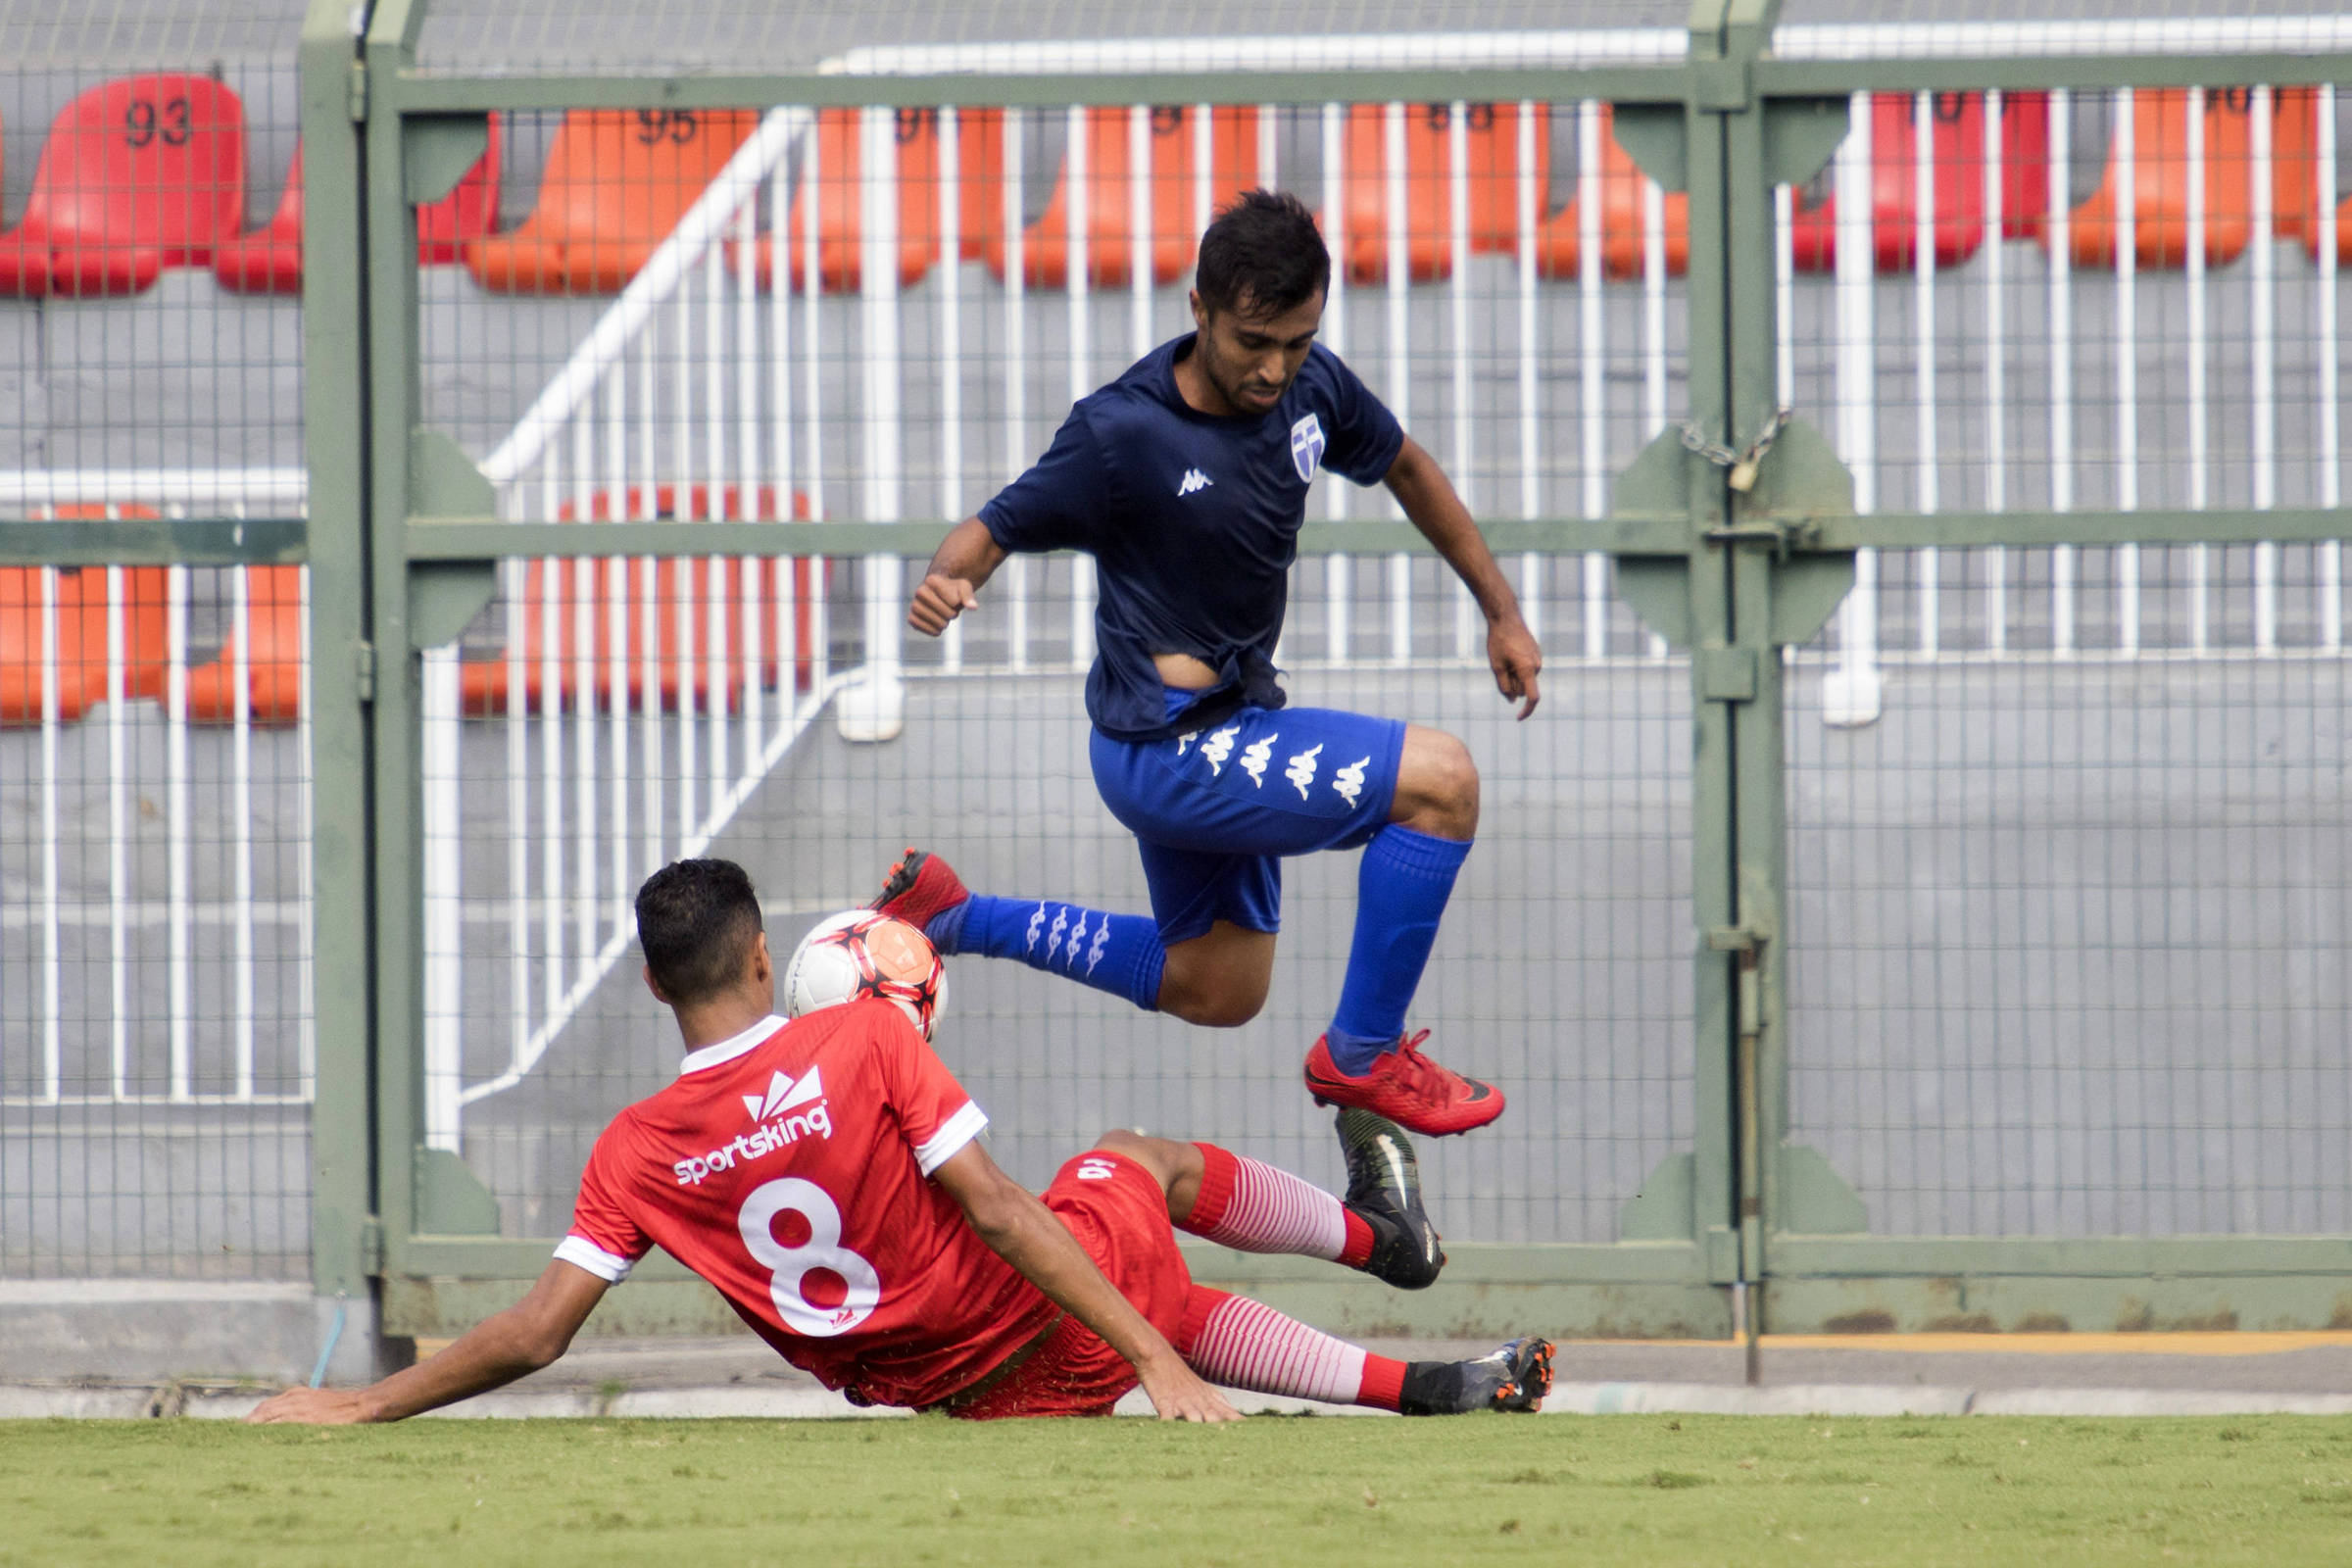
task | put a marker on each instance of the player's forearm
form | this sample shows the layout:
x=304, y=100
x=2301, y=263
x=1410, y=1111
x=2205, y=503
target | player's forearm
x=491, y=1354
x=969, y=552
x=1429, y=500
x=1025, y=1233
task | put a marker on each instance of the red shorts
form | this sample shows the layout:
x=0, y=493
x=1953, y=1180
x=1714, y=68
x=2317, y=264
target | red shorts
x=1119, y=1213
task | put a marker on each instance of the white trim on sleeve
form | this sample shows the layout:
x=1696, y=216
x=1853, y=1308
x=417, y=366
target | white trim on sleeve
x=581, y=1252
x=954, y=1133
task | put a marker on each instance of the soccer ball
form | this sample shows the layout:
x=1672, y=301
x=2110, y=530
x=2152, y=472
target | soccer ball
x=860, y=953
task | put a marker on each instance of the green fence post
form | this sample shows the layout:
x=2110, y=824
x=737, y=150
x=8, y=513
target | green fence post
x=390, y=325
x=344, y=1240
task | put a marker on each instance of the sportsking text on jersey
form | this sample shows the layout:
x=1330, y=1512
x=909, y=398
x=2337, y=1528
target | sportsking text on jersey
x=756, y=1144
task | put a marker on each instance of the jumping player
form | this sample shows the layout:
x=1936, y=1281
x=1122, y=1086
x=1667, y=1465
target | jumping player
x=1186, y=478
x=825, y=1176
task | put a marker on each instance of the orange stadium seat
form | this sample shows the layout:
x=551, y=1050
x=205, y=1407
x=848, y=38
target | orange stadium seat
x=273, y=656
x=138, y=174
x=616, y=182
x=1623, y=187
x=1109, y=199
x=268, y=260
x=1491, y=136
x=482, y=682
x=2159, y=176
x=1958, y=151
x=2302, y=212
x=840, y=203
x=83, y=601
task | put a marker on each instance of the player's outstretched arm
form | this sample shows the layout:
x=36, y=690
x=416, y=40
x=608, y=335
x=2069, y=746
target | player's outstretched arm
x=1025, y=1233
x=525, y=1337
x=964, y=561
x=1428, y=497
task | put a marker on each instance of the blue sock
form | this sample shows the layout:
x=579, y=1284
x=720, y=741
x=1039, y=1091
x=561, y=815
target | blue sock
x=1121, y=953
x=1400, y=890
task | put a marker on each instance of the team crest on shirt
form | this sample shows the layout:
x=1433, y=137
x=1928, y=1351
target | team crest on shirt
x=1306, y=448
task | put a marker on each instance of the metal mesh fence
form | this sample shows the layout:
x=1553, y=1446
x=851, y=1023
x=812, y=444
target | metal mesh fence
x=2067, y=931
x=155, y=1056
x=2066, y=881
x=473, y=37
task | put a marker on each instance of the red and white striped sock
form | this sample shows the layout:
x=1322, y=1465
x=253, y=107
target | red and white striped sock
x=1243, y=1343
x=1251, y=1207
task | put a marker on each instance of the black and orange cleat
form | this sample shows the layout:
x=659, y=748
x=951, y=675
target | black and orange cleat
x=1514, y=1377
x=921, y=887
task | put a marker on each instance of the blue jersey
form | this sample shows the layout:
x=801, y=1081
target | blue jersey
x=1194, y=520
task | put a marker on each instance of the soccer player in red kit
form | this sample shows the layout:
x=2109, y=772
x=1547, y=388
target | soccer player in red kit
x=825, y=1176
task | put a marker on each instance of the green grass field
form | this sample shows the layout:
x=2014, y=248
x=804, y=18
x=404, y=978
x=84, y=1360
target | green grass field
x=1371, y=1494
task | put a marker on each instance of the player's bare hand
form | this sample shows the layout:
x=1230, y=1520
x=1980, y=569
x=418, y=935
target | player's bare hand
x=318, y=1407
x=1512, y=651
x=940, y=599
x=1178, y=1394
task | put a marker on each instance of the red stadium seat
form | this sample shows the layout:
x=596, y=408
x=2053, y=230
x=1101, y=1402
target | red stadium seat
x=2159, y=176
x=83, y=601
x=273, y=656
x=615, y=185
x=482, y=682
x=138, y=174
x=1490, y=137
x=1109, y=198
x=268, y=258
x=1958, y=151
x=1623, y=227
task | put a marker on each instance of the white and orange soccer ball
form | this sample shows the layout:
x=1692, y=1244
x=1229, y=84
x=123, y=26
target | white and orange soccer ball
x=861, y=953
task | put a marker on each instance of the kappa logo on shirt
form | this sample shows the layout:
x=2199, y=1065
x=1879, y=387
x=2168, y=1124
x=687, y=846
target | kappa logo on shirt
x=1193, y=481
x=1306, y=448
x=781, y=1124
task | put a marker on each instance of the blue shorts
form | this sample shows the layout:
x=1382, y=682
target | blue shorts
x=1214, y=811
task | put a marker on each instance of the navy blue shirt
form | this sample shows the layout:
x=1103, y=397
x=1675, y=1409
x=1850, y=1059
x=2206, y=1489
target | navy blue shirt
x=1194, y=520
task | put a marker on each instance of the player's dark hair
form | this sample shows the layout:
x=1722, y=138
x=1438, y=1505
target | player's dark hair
x=695, y=920
x=1262, y=254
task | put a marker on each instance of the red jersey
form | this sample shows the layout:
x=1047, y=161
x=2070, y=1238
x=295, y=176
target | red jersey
x=789, y=1167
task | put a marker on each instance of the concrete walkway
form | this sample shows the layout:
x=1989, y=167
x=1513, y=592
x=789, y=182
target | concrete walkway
x=1949, y=1374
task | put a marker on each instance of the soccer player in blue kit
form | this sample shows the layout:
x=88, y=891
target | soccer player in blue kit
x=1186, y=479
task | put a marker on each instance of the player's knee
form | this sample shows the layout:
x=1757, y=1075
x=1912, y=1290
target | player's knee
x=1438, y=787
x=1226, y=1007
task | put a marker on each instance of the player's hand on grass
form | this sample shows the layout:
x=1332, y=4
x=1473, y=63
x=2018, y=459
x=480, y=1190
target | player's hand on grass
x=1178, y=1394
x=1511, y=648
x=318, y=1407
x=940, y=599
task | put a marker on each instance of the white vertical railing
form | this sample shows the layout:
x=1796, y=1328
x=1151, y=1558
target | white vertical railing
x=1591, y=366
x=2265, y=329
x=2332, y=494
x=1851, y=693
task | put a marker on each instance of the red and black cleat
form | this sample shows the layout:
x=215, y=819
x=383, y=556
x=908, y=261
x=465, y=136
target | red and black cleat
x=1406, y=1087
x=920, y=887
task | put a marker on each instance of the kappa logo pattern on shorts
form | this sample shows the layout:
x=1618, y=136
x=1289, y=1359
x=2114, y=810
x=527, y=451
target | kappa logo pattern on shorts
x=1257, y=757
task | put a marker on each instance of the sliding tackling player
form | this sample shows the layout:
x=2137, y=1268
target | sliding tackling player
x=825, y=1176
x=1187, y=480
